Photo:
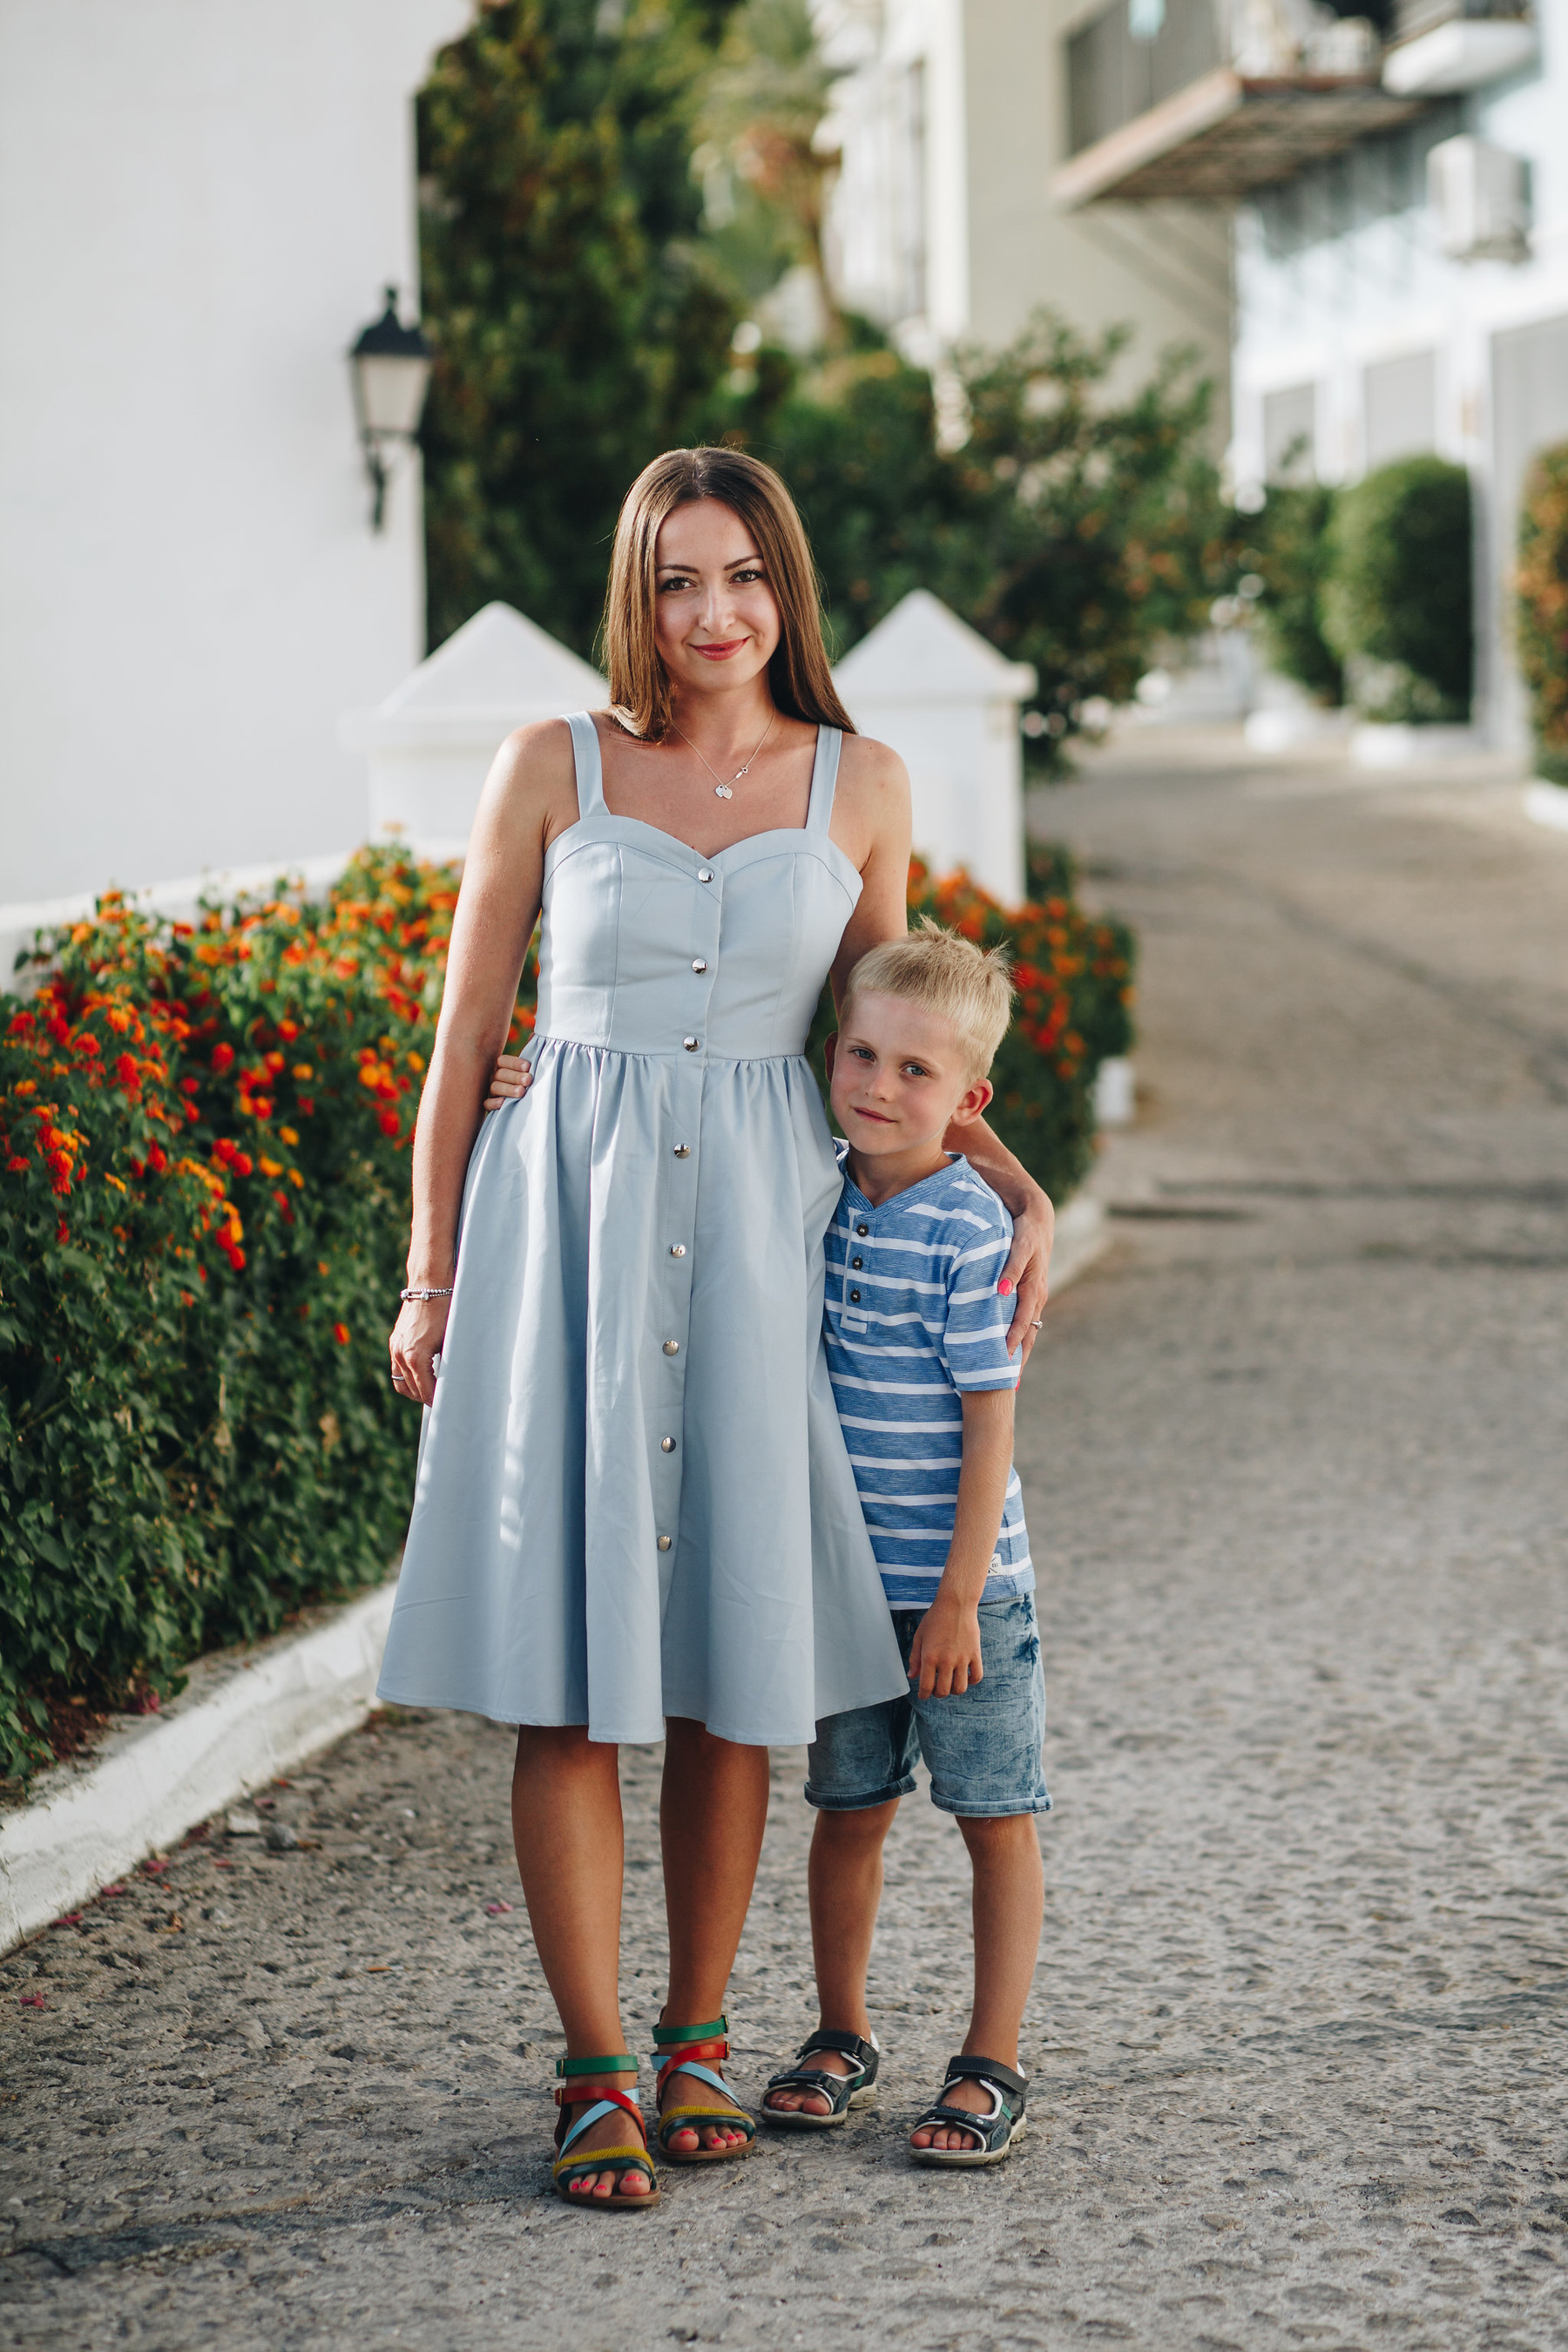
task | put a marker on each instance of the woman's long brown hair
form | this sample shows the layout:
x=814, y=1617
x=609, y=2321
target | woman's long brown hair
x=798, y=674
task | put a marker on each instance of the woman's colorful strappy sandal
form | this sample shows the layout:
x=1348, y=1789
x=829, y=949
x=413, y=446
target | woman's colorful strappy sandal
x=677, y=2049
x=996, y=2132
x=568, y=2168
x=842, y=2091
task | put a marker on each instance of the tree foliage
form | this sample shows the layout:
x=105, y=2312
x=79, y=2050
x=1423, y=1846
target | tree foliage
x=581, y=325
x=1075, y=531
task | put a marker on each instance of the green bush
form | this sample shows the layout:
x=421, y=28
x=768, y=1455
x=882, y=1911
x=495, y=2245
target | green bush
x=202, y=1218
x=1397, y=600
x=1288, y=548
x=203, y=1185
x=1541, y=585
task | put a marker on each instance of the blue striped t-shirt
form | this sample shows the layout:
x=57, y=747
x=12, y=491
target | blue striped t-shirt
x=911, y=1319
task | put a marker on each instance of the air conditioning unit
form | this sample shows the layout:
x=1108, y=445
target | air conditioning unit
x=1481, y=197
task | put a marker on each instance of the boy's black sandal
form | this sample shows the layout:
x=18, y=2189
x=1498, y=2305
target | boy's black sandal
x=842, y=2091
x=996, y=2132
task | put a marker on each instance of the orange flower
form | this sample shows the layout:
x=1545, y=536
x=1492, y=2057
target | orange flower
x=341, y=1334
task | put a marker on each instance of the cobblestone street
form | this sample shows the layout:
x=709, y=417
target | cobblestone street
x=1294, y=1454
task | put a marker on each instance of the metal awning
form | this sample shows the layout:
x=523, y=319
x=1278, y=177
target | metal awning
x=1224, y=135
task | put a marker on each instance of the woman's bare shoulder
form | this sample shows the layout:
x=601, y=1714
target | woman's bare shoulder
x=865, y=765
x=531, y=791
x=874, y=781
x=536, y=755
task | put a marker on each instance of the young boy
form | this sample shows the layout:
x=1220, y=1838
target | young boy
x=917, y=1353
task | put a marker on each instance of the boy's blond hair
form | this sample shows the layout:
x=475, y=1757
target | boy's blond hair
x=963, y=985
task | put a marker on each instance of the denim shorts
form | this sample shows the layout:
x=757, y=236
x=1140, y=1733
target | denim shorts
x=981, y=1749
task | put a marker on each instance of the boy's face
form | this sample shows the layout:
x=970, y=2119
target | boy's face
x=898, y=1078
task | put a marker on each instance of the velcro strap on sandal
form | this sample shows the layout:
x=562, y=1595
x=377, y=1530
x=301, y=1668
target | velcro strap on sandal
x=1014, y=2086
x=847, y=2046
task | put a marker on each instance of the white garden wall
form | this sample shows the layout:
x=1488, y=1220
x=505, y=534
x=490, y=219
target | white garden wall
x=200, y=203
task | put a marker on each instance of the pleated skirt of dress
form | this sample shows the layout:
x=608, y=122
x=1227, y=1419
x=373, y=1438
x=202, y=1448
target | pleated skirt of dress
x=533, y=1589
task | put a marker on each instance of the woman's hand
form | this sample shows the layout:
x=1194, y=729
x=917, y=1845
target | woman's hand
x=416, y=1342
x=512, y=1077
x=1027, y=1270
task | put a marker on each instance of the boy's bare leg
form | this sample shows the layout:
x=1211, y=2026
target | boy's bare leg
x=845, y=1884
x=1009, y=1909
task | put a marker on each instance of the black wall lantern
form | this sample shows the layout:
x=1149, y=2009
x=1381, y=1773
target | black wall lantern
x=391, y=366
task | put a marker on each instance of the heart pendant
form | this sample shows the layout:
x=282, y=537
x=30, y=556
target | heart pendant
x=722, y=792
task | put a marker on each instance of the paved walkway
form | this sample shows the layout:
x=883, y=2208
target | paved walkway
x=1295, y=1453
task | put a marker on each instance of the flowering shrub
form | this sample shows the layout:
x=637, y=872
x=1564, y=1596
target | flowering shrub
x=204, y=1217
x=1073, y=975
x=203, y=1184
x=1541, y=583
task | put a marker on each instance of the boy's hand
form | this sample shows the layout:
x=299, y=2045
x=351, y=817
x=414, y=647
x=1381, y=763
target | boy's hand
x=513, y=1077
x=944, y=1656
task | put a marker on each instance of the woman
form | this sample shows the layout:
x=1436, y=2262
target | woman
x=634, y=1515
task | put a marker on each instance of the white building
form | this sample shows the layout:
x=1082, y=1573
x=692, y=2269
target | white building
x=201, y=202
x=1402, y=234
x=944, y=226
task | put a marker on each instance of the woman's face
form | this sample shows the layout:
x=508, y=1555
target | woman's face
x=716, y=621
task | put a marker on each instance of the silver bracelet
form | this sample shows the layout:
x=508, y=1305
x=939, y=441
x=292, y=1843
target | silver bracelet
x=426, y=1293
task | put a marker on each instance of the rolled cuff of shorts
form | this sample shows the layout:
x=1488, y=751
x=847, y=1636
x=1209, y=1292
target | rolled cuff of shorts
x=884, y=1796
x=1040, y=1804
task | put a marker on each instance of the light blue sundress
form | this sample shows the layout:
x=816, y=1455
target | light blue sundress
x=634, y=1498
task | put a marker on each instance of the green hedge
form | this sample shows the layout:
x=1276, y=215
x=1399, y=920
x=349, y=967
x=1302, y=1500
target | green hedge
x=1396, y=602
x=203, y=1177
x=1541, y=586
x=1288, y=547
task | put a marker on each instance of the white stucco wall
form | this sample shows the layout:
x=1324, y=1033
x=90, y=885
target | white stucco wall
x=1358, y=278
x=996, y=246
x=200, y=202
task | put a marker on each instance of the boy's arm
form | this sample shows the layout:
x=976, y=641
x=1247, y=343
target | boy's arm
x=945, y=1652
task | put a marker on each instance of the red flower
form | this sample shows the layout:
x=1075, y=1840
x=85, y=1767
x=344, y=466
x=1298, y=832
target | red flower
x=157, y=1160
x=388, y=1122
x=15, y=1167
x=341, y=1334
x=240, y=1161
x=126, y=1071
x=190, y=1086
x=62, y=1230
x=223, y=1058
x=22, y=1025
x=88, y=1046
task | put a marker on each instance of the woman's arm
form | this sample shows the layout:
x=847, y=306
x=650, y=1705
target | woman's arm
x=876, y=787
x=529, y=796
x=1028, y=1267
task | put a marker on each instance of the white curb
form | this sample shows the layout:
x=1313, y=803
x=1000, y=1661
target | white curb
x=244, y=1717
x=1083, y=1234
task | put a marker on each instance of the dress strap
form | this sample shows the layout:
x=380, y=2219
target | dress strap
x=823, y=780
x=590, y=767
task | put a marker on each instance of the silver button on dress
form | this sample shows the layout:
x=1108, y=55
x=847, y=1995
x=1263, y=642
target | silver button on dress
x=566, y=1561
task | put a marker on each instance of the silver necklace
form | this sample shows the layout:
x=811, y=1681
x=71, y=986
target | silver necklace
x=723, y=792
